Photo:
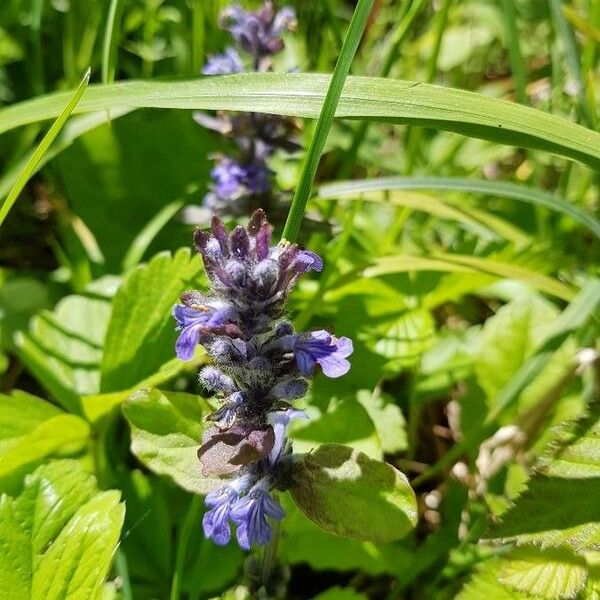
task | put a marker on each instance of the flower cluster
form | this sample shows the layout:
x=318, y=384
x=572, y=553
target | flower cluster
x=259, y=366
x=246, y=179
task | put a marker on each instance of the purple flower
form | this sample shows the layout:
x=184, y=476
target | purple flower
x=258, y=33
x=193, y=320
x=307, y=261
x=216, y=521
x=233, y=180
x=250, y=514
x=326, y=350
x=224, y=64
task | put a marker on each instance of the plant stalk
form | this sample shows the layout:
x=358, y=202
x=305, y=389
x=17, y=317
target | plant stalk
x=317, y=143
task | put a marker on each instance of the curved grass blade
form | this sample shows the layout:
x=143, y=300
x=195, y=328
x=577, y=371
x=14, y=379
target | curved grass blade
x=459, y=263
x=502, y=189
x=302, y=95
x=326, y=116
x=144, y=238
x=34, y=159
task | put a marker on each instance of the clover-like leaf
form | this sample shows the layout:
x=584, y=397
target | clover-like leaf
x=58, y=537
x=347, y=493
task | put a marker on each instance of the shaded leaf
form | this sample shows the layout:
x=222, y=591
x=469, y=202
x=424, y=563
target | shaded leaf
x=347, y=493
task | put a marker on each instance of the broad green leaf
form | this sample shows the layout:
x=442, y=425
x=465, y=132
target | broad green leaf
x=347, y=493
x=31, y=430
x=496, y=189
x=388, y=419
x=305, y=543
x=405, y=339
x=554, y=573
x=95, y=406
x=344, y=422
x=302, y=95
x=141, y=334
x=63, y=348
x=545, y=514
x=78, y=560
x=166, y=428
x=509, y=338
x=58, y=537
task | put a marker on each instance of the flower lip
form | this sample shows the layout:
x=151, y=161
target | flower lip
x=250, y=511
x=320, y=347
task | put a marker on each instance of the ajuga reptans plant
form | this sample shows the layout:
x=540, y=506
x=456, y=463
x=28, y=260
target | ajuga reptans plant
x=244, y=180
x=260, y=365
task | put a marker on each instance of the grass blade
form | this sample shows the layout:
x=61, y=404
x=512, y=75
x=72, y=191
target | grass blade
x=36, y=157
x=517, y=66
x=565, y=33
x=326, y=116
x=144, y=238
x=459, y=263
x=302, y=95
x=502, y=189
x=111, y=36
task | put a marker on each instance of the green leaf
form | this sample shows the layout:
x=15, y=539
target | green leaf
x=166, y=428
x=63, y=348
x=545, y=514
x=305, y=543
x=496, y=189
x=509, y=338
x=141, y=334
x=32, y=163
x=485, y=584
x=554, y=574
x=405, y=339
x=302, y=95
x=344, y=422
x=388, y=419
x=57, y=538
x=31, y=430
x=347, y=493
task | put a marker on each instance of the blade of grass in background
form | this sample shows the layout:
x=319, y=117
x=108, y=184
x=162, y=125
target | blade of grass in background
x=36, y=157
x=569, y=45
x=303, y=94
x=502, y=189
x=111, y=37
x=325, y=120
x=144, y=238
x=411, y=11
x=517, y=66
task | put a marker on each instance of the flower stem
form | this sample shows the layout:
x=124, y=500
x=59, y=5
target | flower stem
x=269, y=555
x=317, y=143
